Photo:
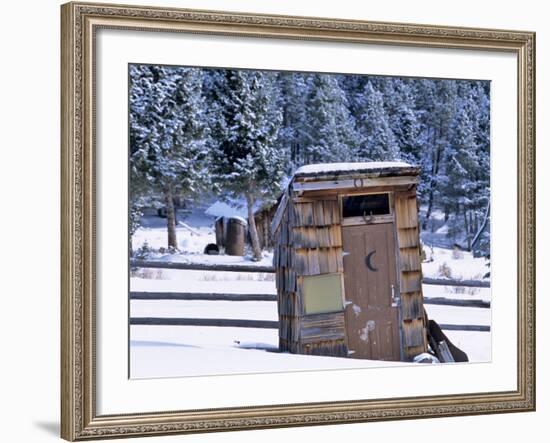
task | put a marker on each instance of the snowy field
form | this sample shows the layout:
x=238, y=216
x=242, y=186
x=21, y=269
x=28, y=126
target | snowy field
x=175, y=351
x=169, y=351
x=166, y=351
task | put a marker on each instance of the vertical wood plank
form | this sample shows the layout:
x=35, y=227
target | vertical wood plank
x=313, y=262
x=324, y=265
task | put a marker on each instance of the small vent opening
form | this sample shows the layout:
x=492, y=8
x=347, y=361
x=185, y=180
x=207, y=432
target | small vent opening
x=364, y=205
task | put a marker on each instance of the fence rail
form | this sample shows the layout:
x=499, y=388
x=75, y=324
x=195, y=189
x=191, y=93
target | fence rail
x=231, y=267
x=453, y=282
x=269, y=324
x=224, y=322
x=474, y=303
x=227, y=267
x=262, y=324
x=443, y=301
x=201, y=296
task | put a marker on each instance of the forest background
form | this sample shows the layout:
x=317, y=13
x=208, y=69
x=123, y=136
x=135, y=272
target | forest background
x=239, y=135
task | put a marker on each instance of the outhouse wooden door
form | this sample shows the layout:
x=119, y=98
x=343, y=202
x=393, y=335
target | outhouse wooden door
x=370, y=282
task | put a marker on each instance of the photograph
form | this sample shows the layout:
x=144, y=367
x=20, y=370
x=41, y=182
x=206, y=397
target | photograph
x=284, y=221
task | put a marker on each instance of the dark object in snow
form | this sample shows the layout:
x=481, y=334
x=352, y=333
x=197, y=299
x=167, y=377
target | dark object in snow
x=444, y=349
x=235, y=236
x=212, y=249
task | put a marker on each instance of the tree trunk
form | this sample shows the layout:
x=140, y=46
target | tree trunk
x=483, y=224
x=170, y=218
x=436, y=158
x=466, y=227
x=429, y=210
x=256, y=250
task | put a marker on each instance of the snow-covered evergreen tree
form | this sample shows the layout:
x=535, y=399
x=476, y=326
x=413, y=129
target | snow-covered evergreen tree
x=378, y=142
x=460, y=161
x=353, y=86
x=168, y=135
x=400, y=107
x=330, y=134
x=483, y=197
x=473, y=102
x=246, y=160
x=438, y=121
x=292, y=138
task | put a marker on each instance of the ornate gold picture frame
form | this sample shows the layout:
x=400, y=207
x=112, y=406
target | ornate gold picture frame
x=80, y=23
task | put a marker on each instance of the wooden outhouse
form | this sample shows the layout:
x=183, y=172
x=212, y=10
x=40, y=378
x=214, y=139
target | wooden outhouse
x=347, y=259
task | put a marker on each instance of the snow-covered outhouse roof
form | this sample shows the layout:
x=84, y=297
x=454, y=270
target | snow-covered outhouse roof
x=374, y=169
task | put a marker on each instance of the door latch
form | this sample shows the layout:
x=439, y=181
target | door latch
x=394, y=297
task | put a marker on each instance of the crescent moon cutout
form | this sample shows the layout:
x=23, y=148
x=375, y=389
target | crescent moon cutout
x=368, y=261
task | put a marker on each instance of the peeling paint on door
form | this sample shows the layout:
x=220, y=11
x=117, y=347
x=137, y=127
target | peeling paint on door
x=364, y=333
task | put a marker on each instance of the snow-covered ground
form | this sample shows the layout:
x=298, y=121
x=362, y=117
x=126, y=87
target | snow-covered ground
x=476, y=344
x=153, y=232
x=175, y=351
x=461, y=265
x=194, y=231
x=167, y=280
x=163, y=351
x=178, y=351
x=168, y=351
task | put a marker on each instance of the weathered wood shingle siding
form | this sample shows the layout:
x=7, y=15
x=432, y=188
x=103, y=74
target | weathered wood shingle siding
x=316, y=237
x=314, y=242
x=287, y=300
x=412, y=307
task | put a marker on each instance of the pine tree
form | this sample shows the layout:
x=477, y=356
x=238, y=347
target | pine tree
x=378, y=143
x=474, y=99
x=439, y=117
x=330, y=135
x=168, y=136
x=294, y=88
x=400, y=107
x=461, y=161
x=353, y=86
x=246, y=161
x=424, y=93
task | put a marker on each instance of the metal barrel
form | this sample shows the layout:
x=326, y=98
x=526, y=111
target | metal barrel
x=235, y=236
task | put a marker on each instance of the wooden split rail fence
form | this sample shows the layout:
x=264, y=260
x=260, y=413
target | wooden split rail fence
x=268, y=324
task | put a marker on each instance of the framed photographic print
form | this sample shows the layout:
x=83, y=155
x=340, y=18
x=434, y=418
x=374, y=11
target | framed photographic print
x=274, y=221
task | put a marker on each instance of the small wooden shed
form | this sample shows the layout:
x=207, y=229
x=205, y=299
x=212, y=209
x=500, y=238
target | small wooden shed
x=347, y=259
x=263, y=218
